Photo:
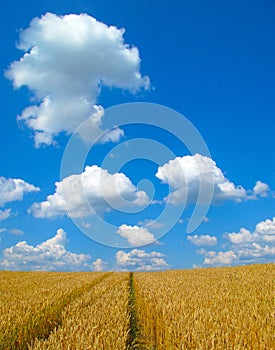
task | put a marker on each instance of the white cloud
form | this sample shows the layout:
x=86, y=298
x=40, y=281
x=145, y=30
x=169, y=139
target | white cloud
x=264, y=232
x=202, y=240
x=253, y=253
x=257, y=252
x=113, y=135
x=13, y=190
x=261, y=189
x=66, y=61
x=139, y=260
x=266, y=228
x=16, y=231
x=136, y=235
x=150, y=223
x=99, y=265
x=244, y=236
x=86, y=224
x=50, y=255
x=218, y=258
x=246, y=246
x=186, y=174
x=13, y=231
x=4, y=214
x=94, y=189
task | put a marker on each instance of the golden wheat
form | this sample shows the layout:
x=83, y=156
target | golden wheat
x=31, y=303
x=203, y=309
x=97, y=320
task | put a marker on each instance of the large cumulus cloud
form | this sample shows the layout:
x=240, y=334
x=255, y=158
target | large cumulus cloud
x=93, y=190
x=186, y=175
x=66, y=60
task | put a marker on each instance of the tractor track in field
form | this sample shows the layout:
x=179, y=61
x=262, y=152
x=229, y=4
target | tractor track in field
x=134, y=337
x=41, y=326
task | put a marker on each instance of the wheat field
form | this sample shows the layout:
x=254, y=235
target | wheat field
x=214, y=308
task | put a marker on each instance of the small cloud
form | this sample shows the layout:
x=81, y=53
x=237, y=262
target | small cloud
x=218, y=258
x=156, y=201
x=99, y=265
x=196, y=266
x=5, y=214
x=12, y=190
x=261, y=189
x=135, y=235
x=150, y=223
x=113, y=135
x=244, y=236
x=203, y=240
x=140, y=260
x=14, y=231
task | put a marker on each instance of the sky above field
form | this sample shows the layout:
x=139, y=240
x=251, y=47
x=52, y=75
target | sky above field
x=136, y=135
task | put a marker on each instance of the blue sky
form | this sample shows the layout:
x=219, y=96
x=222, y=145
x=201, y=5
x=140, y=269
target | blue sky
x=207, y=63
